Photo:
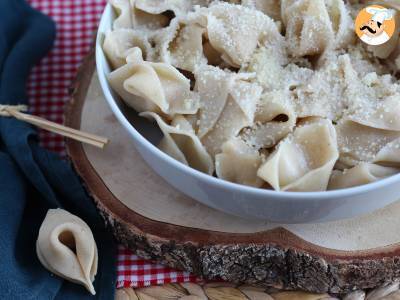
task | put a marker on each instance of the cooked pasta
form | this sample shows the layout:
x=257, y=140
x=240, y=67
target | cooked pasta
x=247, y=161
x=313, y=26
x=270, y=94
x=361, y=174
x=304, y=160
x=166, y=89
x=119, y=43
x=181, y=142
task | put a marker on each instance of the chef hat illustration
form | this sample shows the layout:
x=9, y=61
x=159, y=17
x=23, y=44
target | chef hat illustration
x=380, y=14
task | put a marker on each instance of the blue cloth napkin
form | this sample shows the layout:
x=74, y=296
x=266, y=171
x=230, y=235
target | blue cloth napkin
x=32, y=180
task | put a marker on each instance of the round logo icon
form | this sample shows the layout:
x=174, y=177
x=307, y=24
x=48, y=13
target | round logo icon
x=375, y=25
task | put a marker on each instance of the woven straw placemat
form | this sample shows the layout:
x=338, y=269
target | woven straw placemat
x=226, y=291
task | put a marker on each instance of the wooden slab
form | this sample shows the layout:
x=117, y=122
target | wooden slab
x=160, y=223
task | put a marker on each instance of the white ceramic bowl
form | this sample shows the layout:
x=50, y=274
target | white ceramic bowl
x=239, y=200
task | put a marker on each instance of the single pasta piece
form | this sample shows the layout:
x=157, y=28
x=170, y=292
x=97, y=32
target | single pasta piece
x=236, y=31
x=66, y=247
x=228, y=104
x=181, y=45
x=129, y=16
x=119, y=43
x=151, y=14
x=313, y=26
x=181, y=143
x=361, y=174
x=157, y=87
x=304, y=160
x=238, y=163
x=360, y=143
x=213, y=86
x=274, y=119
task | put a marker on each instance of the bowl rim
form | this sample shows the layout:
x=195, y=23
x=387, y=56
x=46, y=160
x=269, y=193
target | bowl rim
x=236, y=187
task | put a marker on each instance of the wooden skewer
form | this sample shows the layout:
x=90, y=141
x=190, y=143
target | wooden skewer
x=78, y=135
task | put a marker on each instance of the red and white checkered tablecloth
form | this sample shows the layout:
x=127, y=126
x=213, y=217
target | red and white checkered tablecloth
x=48, y=92
x=136, y=272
